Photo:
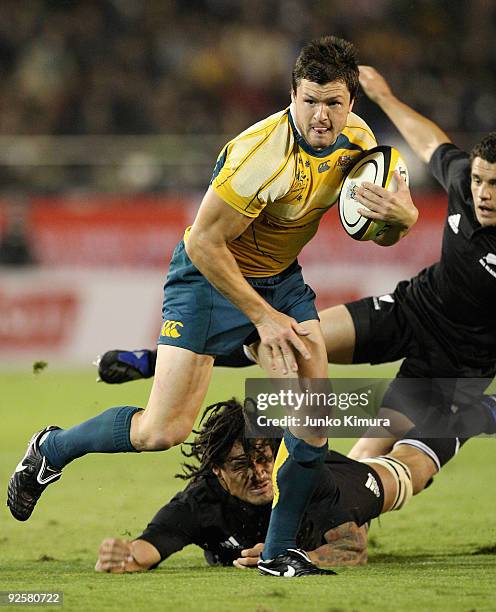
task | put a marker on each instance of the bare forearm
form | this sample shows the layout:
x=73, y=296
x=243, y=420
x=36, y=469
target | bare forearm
x=217, y=264
x=327, y=555
x=144, y=555
x=346, y=545
x=422, y=134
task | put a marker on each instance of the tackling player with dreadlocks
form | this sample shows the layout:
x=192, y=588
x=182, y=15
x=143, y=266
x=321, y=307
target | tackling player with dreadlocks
x=225, y=508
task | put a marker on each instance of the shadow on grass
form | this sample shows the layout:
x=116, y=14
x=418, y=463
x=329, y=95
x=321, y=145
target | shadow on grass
x=485, y=550
x=430, y=557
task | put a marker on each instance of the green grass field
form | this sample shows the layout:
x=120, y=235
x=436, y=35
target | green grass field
x=437, y=554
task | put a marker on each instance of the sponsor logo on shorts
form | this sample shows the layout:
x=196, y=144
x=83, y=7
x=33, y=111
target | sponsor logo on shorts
x=488, y=262
x=169, y=329
x=372, y=485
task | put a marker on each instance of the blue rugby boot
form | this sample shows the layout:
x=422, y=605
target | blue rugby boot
x=118, y=366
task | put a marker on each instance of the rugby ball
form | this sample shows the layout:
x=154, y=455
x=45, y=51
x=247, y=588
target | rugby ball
x=376, y=166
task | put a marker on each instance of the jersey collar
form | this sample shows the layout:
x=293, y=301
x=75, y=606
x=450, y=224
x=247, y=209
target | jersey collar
x=342, y=142
x=476, y=227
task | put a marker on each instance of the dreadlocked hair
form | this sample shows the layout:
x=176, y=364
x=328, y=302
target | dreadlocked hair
x=221, y=425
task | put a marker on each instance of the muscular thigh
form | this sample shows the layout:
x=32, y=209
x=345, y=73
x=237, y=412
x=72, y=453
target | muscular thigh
x=339, y=334
x=179, y=387
x=316, y=366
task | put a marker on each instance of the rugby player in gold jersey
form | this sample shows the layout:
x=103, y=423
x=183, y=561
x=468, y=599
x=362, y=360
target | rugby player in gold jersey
x=235, y=277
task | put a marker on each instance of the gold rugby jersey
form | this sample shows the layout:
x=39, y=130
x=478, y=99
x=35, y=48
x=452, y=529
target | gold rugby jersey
x=269, y=172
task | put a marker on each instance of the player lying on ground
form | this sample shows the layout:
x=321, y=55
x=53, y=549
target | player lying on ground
x=225, y=509
x=235, y=275
x=442, y=321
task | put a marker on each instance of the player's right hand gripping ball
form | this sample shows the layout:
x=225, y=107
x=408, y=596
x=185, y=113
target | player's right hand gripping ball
x=376, y=166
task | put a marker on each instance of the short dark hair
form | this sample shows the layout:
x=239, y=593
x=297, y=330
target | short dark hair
x=485, y=149
x=327, y=59
x=222, y=425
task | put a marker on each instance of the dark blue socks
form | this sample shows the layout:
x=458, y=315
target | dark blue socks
x=296, y=473
x=106, y=433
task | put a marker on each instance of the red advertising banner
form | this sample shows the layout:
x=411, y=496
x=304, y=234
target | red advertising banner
x=36, y=319
x=142, y=231
x=102, y=231
x=104, y=261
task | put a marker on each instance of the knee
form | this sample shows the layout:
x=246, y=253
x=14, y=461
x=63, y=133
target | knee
x=362, y=451
x=422, y=467
x=370, y=447
x=421, y=479
x=149, y=439
x=358, y=454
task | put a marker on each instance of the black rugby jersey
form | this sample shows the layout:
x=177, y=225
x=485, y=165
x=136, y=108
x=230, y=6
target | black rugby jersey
x=205, y=514
x=454, y=300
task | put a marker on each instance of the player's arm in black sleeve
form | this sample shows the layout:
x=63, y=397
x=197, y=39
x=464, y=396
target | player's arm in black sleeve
x=422, y=134
x=171, y=529
x=451, y=168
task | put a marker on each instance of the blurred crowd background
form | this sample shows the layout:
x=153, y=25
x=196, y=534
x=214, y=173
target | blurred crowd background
x=216, y=66
x=204, y=68
x=112, y=113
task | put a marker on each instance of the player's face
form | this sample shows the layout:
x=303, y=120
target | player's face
x=483, y=186
x=321, y=111
x=249, y=478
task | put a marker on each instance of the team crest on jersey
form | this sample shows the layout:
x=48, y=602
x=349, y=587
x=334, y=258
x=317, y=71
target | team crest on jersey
x=324, y=166
x=170, y=329
x=344, y=162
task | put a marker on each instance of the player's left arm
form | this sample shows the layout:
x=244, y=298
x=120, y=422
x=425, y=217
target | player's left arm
x=345, y=545
x=117, y=556
x=396, y=208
